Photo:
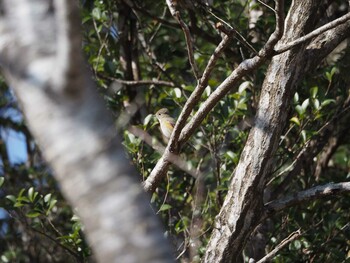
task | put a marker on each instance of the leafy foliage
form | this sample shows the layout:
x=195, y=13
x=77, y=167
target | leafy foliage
x=140, y=41
x=36, y=223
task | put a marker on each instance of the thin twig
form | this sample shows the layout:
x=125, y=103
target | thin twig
x=160, y=67
x=233, y=32
x=313, y=34
x=293, y=236
x=267, y=6
x=236, y=34
x=188, y=38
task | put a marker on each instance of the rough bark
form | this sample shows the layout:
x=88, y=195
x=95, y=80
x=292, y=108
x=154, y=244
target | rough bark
x=40, y=55
x=242, y=209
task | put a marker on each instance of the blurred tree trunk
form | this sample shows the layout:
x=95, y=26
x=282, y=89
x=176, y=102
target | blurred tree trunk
x=40, y=56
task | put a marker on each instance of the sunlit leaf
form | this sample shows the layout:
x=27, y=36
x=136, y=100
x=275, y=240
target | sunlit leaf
x=295, y=120
x=305, y=104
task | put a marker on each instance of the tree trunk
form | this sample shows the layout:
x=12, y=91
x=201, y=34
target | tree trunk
x=243, y=206
x=40, y=54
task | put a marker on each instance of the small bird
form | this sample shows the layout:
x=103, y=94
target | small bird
x=167, y=123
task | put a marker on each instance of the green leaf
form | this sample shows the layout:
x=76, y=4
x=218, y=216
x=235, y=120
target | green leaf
x=165, y=207
x=96, y=13
x=242, y=106
x=18, y=204
x=188, y=88
x=313, y=92
x=329, y=75
x=296, y=97
x=52, y=204
x=334, y=70
x=236, y=96
x=177, y=92
x=297, y=244
x=295, y=120
x=12, y=198
x=86, y=19
x=303, y=135
x=147, y=119
x=230, y=155
x=316, y=104
x=2, y=180
x=4, y=259
x=300, y=110
x=47, y=198
x=32, y=194
x=207, y=91
x=305, y=104
x=33, y=214
x=326, y=102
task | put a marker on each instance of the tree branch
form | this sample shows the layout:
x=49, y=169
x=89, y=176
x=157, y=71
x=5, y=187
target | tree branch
x=321, y=191
x=242, y=70
x=293, y=236
x=173, y=158
x=143, y=82
x=314, y=33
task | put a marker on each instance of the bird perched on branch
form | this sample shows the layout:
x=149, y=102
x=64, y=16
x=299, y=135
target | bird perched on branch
x=167, y=123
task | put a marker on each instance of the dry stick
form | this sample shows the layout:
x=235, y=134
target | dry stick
x=281, y=245
x=314, y=33
x=184, y=27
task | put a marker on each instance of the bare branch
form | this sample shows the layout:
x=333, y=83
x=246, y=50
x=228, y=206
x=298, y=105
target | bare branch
x=143, y=82
x=293, y=236
x=317, y=192
x=313, y=34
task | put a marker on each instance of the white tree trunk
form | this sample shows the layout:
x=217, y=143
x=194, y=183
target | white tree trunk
x=40, y=54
